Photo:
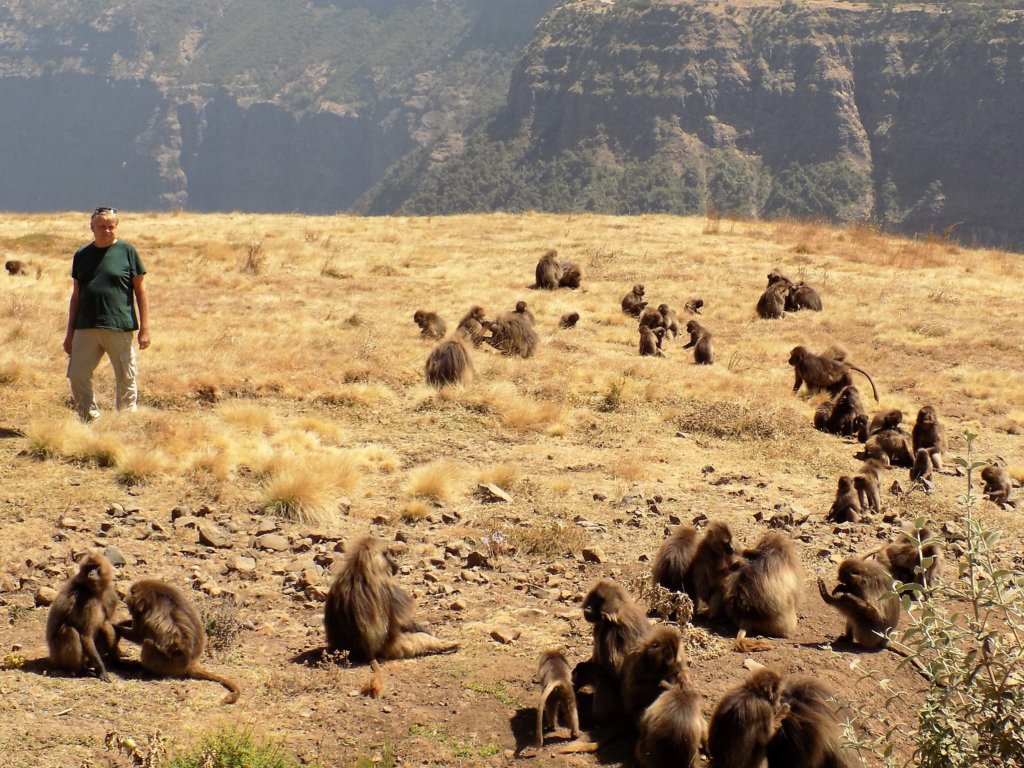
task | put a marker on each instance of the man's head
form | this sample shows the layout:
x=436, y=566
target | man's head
x=104, y=226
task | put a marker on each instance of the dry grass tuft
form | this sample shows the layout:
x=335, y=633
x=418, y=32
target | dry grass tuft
x=732, y=420
x=307, y=488
x=505, y=476
x=137, y=467
x=414, y=511
x=548, y=539
x=436, y=480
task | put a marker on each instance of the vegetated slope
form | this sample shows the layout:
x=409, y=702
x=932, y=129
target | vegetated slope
x=285, y=367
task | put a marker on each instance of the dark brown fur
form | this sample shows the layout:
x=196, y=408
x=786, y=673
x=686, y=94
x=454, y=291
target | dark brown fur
x=903, y=557
x=701, y=341
x=762, y=595
x=651, y=318
x=171, y=633
x=79, y=630
x=656, y=660
x=713, y=561
x=772, y=303
x=673, y=729
x=802, y=296
x=745, y=720
x=890, y=419
x=449, y=362
x=557, y=702
x=673, y=559
x=929, y=434
x=513, y=334
x=430, y=323
x=842, y=415
x=569, y=320
x=998, y=485
x=472, y=323
x=921, y=472
x=823, y=372
x=548, y=272
x=694, y=306
x=846, y=508
x=16, y=267
x=810, y=735
x=522, y=309
x=650, y=342
x=633, y=302
x=868, y=482
x=669, y=319
x=891, y=446
x=571, y=275
x=864, y=596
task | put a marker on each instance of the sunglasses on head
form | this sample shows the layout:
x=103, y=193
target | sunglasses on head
x=104, y=209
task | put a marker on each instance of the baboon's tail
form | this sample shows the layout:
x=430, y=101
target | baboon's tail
x=744, y=644
x=199, y=673
x=375, y=686
x=868, y=377
x=541, y=707
x=410, y=644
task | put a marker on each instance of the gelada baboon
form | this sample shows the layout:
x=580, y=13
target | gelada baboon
x=656, y=659
x=890, y=419
x=170, y=632
x=701, y=341
x=513, y=334
x=998, y=485
x=842, y=415
x=802, y=296
x=929, y=434
x=522, y=309
x=914, y=557
x=775, y=276
x=846, y=508
x=633, y=302
x=557, y=703
x=864, y=597
x=79, y=630
x=673, y=729
x=549, y=271
x=714, y=559
x=650, y=341
x=921, y=472
x=810, y=735
x=370, y=616
x=868, y=483
x=571, y=275
x=651, y=318
x=822, y=372
x=761, y=595
x=472, y=323
x=669, y=319
x=619, y=625
x=569, y=320
x=772, y=303
x=449, y=362
x=673, y=559
x=745, y=720
x=890, y=446
x=430, y=323
x=694, y=306
x=16, y=267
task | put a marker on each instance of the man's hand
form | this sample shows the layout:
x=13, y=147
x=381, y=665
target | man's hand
x=143, y=338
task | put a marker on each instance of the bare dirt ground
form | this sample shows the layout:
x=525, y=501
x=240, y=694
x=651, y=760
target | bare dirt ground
x=289, y=339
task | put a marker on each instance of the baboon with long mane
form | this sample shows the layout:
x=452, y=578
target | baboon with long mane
x=450, y=362
x=79, y=626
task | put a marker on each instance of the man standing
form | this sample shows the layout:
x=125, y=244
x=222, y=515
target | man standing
x=107, y=285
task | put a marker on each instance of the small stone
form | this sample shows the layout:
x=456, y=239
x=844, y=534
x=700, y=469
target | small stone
x=274, y=542
x=505, y=635
x=459, y=605
x=593, y=555
x=489, y=493
x=177, y=512
x=242, y=564
x=477, y=559
x=45, y=596
x=213, y=535
x=114, y=555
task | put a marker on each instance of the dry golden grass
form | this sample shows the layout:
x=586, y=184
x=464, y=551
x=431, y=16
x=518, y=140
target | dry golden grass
x=437, y=480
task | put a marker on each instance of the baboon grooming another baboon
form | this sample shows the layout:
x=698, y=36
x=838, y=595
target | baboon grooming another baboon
x=772, y=304
x=890, y=446
x=473, y=324
x=672, y=561
x=904, y=557
x=633, y=302
x=822, y=372
x=745, y=720
x=700, y=340
x=846, y=508
x=449, y=362
x=79, y=630
x=810, y=735
x=569, y=320
x=864, y=597
x=370, y=616
x=557, y=701
x=16, y=267
x=929, y=434
x=997, y=485
x=843, y=415
x=761, y=595
x=651, y=318
x=430, y=323
x=802, y=296
x=170, y=632
x=714, y=559
x=571, y=275
x=650, y=341
x=890, y=419
x=513, y=334
x=673, y=729
x=654, y=660
x=669, y=319
x=549, y=271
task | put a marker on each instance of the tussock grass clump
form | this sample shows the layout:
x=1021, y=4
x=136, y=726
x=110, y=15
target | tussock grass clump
x=729, y=420
x=551, y=538
x=436, y=480
x=11, y=372
x=137, y=466
x=414, y=511
x=307, y=488
x=504, y=476
x=69, y=438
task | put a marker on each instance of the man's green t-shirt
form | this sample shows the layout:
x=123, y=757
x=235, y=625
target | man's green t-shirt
x=104, y=278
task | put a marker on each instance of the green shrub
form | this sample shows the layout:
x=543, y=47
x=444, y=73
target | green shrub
x=234, y=749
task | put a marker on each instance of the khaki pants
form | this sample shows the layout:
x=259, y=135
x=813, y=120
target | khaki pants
x=87, y=348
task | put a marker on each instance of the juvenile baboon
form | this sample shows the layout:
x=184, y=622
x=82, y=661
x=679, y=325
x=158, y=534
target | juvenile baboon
x=745, y=720
x=842, y=415
x=904, y=557
x=569, y=320
x=694, y=306
x=701, y=341
x=16, y=267
x=864, y=596
x=673, y=559
x=619, y=625
x=651, y=318
x=79, y=630
x=998, y=485
x=929, y=434
x=548, y=272
x=654, y=660
x=714, y=559
x=921, y=472
x=823, y=372
x=513, y=334
x=522, y=309
x=557, y=701
x=890, y=419
x=772, y=303
x=430, y=323
x=890, y=446
x=633, y=302
x=472, y=323
x=650, y=341
x=868, y=482
x=846, y=508
x=449, y=362
x=761, y=595
x=370, y=616
x=170, y=632
x=571, y=275
x=669, y=319
x=802, y=296
x=673, y=729
x=810, y=735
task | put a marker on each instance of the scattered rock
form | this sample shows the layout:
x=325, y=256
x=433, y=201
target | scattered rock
x=505, y=635
x=242, y=564
x=477, y=559
x=593, y=555
x=458, y=605
x=491, y=494
x=45, y=596
x=212, y=535
x=114, y=555
x=273, y=542
x=176, y=512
